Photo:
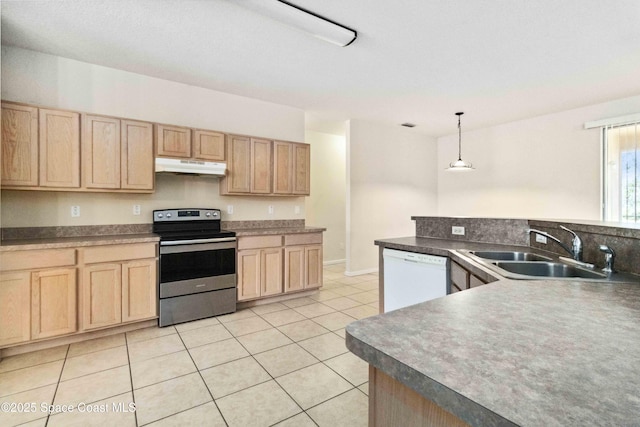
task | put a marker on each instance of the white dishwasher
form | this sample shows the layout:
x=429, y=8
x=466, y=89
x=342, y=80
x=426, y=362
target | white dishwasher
x=411, y=278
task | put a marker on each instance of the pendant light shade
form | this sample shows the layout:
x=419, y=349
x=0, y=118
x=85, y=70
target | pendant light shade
x=460, y=165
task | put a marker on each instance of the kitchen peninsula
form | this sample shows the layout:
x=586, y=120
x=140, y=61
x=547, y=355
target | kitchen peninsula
x=512, y=352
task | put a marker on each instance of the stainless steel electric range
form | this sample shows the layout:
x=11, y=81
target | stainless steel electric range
x=197, y=265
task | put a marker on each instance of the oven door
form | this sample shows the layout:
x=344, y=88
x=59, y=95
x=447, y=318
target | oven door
x=187, y=268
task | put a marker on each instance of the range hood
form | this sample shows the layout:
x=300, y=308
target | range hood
x=190, y=166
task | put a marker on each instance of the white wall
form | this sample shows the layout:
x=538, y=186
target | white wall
x=52, y=81
x=543, y=167
x=326, y=205
x=391, y=175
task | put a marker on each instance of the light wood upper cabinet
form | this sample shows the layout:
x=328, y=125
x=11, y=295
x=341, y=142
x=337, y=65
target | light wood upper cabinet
x=101, y=295
x=19, y=145
x=117, y=154
x=301, y=169
x=139, y=290
x=282, y=167
x=173, y=141
x=208, y=145
x=260, y=166
x=53, y=302
x=137, y=160
x=59, y=149
x=15, y=307
x=101, y=152
x=238, y=179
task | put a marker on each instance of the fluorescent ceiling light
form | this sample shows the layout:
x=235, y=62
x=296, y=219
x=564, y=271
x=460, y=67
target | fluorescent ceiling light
x=303, y=20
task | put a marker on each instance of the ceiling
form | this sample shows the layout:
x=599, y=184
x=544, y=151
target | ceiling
x=414, y=60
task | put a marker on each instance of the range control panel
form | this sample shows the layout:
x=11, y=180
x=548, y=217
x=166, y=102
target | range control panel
x=185, y=215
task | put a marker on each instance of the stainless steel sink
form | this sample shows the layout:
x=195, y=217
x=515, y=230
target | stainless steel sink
x=510, y=256
x=547, y=269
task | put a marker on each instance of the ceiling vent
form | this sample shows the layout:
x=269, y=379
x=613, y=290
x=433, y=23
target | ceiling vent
x=408, y=125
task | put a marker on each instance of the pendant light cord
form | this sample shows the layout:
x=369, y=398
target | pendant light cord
x=459, y=137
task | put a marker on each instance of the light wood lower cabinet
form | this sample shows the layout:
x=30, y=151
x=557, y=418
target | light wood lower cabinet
x=139, y=290
x=116, y=290
x=303, y=268
x=276, y=264
x=53, y=302
x=101, y=295
x=15, y=308
x=52, y=292
x=259, y=273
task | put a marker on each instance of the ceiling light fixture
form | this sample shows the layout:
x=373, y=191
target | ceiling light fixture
x=460, y=165
x=304, y=20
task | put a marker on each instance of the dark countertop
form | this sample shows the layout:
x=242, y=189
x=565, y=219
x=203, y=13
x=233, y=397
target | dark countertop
x=513, y=352
x=275, y=230
x=76, y=241
x=532, y=353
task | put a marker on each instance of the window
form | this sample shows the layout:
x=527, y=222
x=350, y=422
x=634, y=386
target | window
x=621, y=172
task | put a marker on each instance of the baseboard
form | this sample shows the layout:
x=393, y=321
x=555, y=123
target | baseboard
x=360, y=272
x=335, y=261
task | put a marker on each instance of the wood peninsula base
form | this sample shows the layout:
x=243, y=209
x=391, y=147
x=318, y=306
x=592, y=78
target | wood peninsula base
x=391, y=403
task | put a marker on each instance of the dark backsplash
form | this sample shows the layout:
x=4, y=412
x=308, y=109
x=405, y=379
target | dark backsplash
x=625, y=240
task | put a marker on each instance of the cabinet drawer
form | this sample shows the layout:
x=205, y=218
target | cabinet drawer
x=459, y=276
x=303, y=239
x=255, y=242
x=23, y=260
x=119, y=252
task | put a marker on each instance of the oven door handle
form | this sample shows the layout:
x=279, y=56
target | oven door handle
x=197, y=242
x=178, y=249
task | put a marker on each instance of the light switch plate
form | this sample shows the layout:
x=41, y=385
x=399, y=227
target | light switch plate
x=270, y=210
x=457, y=230
x=230, y=209
x=296, y=210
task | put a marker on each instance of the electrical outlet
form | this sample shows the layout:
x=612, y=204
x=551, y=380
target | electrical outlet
x=230, y=209
x=457, y=230
x=541, y=239
x=270, y=210
x=136, y=209
x=296, y=210
x=75, y=211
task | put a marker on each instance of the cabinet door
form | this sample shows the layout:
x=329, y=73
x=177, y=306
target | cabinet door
x=459, y=278
x=100, y=152
x=15, y=308
x=59, y=149
x=248, y=274
x=173, y=141
x=238, y=179
x=282, y=167
x=271, y=271
x=293, y=268
x=139, y=290
x=19, y=145
x=260, y=166
x=137, y=163
x=475, y=281
x=208, y=145
x=53, y=302
x=313, y=266
x=101, y=294
x=301, y=169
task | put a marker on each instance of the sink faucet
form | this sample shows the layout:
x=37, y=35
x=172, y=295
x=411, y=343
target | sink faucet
x=576, y=243
x=609, y=258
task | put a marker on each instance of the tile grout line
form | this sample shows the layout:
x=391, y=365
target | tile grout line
x=203, y=381
x=53, y=399
x=133, y=394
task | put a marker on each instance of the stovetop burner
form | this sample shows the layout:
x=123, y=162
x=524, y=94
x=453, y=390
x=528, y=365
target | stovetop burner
x=188, y=224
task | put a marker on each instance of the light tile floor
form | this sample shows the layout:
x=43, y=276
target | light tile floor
x=282, y=364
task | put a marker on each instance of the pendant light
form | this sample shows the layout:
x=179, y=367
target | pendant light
x=460, y=165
